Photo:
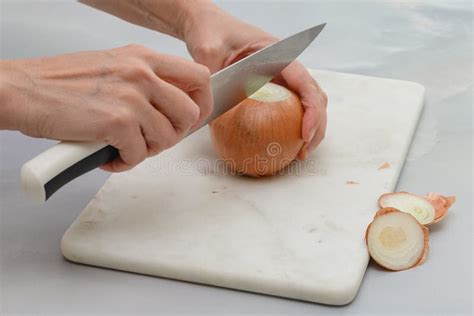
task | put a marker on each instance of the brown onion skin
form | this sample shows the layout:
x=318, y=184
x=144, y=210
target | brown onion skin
x=259, y=138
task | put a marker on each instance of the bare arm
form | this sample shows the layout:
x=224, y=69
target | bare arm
x=10, y=107
x=135, y=99
x=216, y=39
x=166, y=16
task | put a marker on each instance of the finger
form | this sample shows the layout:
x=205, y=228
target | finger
x=317, y=139
x=158, y=131
x=156, y=134
x=279, y=80
x=192, y=78
x=312, y=97
x=203, y=98
x=296, y=75
x=132, y=149
x=176, y=105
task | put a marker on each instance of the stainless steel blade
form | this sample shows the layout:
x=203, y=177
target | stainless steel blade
x=236, y=82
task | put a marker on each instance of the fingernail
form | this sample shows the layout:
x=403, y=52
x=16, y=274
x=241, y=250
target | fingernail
x=303, y=151
x=311, y=134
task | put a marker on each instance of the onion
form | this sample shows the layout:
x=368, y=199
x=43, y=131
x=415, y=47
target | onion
x=427, y=210
x=262, y=134
x=396, y=240
x=410, y=203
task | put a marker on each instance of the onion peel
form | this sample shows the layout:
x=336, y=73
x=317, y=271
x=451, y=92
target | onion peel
x=428, y=210
x=413, y=204
x=351, y=182
x=396, y=240
x=441, y=205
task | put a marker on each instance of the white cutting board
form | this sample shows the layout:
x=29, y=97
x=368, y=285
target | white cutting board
x=300, y=235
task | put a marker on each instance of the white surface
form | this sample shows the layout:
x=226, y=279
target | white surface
x=298, y=235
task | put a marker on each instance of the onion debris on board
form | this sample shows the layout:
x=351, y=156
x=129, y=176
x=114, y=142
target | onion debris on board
x=396, y=240
x=262, y=134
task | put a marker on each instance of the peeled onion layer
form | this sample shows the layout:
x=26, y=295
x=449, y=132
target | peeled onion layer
x=410, y=203
x=396, y=240
x=261, y=135
x=441, y=204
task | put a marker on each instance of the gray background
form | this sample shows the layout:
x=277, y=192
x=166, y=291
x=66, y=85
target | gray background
x=429, y=42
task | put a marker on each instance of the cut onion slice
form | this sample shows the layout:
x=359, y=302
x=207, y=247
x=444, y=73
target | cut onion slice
x=410, y=203
x=441, y=205
x=396, y=240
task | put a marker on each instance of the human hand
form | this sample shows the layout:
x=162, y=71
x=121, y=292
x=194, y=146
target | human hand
x=217, y=39
x=132, y=98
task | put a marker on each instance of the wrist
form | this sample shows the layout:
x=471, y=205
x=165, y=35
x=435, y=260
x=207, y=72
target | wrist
x=172, y=17
x=194, y=14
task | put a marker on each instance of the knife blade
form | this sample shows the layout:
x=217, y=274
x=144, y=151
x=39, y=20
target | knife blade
x=235, y=83
x=43, y=175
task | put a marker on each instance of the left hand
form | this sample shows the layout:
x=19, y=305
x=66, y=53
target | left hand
x=217, y=39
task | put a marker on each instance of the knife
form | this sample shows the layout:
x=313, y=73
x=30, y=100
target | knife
x=49, y=171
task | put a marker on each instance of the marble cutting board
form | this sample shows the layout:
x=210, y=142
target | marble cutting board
x=298, y=235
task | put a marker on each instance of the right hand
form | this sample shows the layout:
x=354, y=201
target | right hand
x=132, y=98
x=216, y=39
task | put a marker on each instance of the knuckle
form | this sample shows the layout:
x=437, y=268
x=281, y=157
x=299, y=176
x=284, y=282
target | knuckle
x=190, y=117
x=137, y=72
x=128, y=97
x=124, y=70
x=194, y=113
x=135, y=47
x=120, y=119
x=142, y=52
x=187, y=120
x=202, y=77
x=146, y=74
x=207, y=51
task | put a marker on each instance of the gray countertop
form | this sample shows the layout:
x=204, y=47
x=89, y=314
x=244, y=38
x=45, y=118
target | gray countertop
x=429, y=42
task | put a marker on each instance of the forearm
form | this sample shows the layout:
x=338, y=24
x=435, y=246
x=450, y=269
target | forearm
x=171, y=17
x=11, y=104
